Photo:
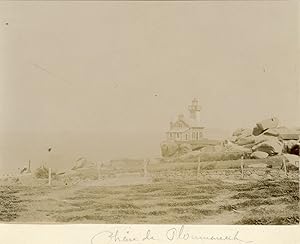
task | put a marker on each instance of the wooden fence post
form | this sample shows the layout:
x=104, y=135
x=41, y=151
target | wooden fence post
x=242, y=166
x=29, y=167
x=49, y=177
x=284, y=167
x=146, y=162
x=198, y=168
x=99, y=166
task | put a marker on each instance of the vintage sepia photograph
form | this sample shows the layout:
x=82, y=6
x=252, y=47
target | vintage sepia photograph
x=149, y=112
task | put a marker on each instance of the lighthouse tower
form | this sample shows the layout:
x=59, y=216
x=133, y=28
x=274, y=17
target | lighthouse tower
x=195, y=110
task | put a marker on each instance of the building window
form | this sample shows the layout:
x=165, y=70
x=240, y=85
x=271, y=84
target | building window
x=186, y=137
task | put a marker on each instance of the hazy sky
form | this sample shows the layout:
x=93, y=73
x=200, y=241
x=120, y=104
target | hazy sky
x=114, y=73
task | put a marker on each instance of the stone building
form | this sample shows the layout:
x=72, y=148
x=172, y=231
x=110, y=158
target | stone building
x=187, y=129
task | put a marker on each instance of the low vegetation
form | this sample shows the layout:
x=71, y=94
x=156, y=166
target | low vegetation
x=178, y=193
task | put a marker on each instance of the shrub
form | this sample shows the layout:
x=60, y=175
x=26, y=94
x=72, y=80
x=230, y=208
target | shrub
x=42, y=173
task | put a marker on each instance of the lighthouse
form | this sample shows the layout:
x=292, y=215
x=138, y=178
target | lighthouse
x=195, y=110
x=187, y=129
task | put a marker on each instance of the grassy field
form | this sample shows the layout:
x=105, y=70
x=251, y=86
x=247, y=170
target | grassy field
x=175, y=195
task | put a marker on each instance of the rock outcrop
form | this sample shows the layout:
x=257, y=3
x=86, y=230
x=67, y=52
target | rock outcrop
x=266, y=139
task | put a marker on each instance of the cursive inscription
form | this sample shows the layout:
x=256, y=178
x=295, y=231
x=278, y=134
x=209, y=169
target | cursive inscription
x=181, y=234
x=172, y=235
x=124, y=236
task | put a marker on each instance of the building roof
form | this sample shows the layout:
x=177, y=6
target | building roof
x=189, y=122
x=178, y=129
x=192, y=123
